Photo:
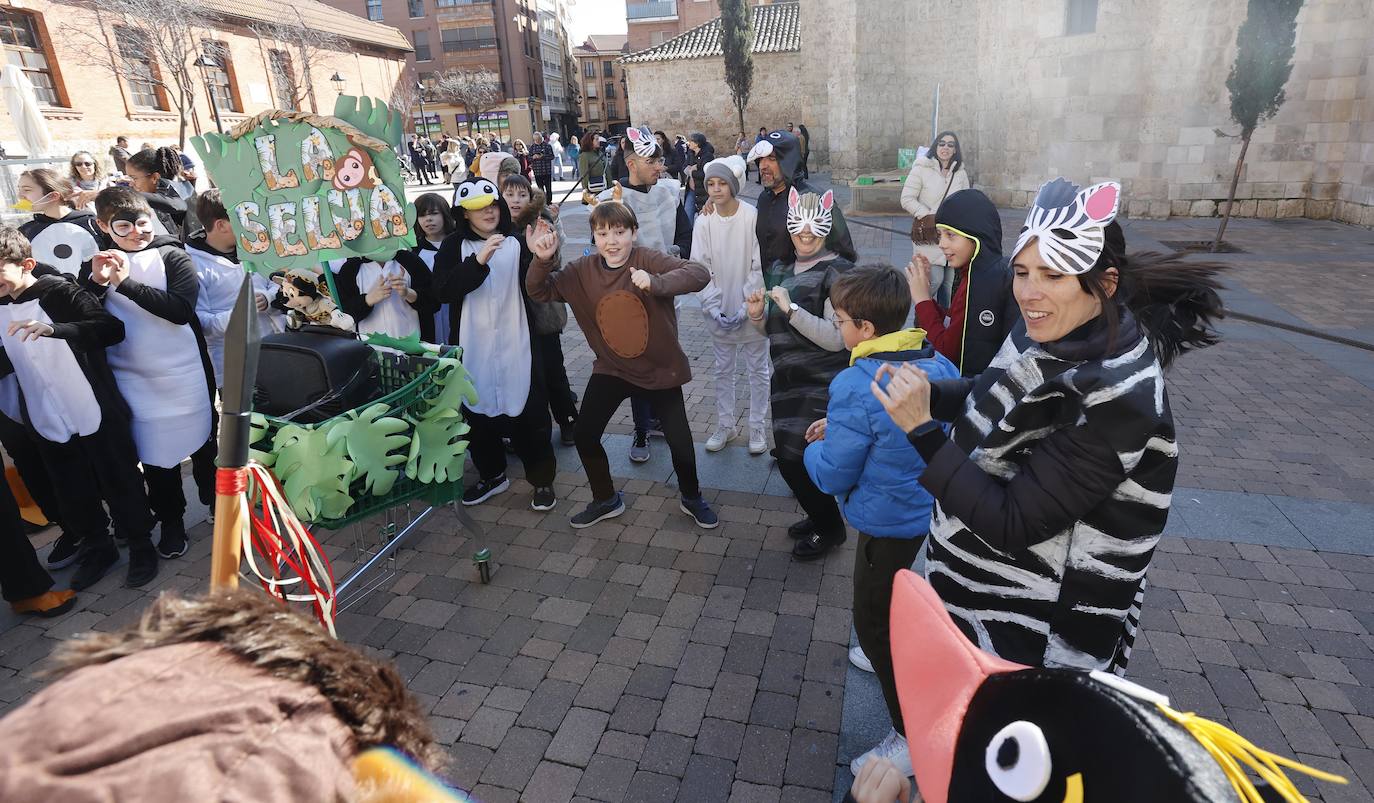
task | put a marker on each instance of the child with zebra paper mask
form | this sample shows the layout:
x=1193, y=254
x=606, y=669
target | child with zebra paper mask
x=1054, y=485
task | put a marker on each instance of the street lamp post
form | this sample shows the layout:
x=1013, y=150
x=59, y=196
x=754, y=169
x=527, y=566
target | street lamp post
x=424, y=121
x=204, y=62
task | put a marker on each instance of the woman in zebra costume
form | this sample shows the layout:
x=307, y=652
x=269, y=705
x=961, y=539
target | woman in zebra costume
x=1055, y=483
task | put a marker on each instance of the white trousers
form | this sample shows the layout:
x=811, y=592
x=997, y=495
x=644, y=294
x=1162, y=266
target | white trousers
x=757, y=368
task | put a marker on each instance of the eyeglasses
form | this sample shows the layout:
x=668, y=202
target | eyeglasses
x=945, y=144
x=854, y=321
x=84, y=164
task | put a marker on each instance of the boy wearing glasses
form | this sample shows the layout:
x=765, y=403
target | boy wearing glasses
x=861, y=457
x=161, y=366
x=55, y=336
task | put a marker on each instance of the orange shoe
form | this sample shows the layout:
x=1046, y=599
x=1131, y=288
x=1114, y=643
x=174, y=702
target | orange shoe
x=49, y=603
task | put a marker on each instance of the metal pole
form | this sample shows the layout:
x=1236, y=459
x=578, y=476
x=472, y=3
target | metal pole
x=424, y=121
x=214, y=103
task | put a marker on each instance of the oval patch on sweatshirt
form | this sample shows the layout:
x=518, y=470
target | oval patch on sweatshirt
x=624, y=323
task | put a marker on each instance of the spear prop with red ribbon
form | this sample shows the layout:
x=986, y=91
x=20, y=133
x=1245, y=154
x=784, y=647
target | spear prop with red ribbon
x=241, y=342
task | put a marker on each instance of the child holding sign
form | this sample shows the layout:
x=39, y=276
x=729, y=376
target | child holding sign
x=392, y=296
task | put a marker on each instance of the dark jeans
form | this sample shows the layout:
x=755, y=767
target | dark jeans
x=102, y=465
x=21, y=575
x=545, y=183
x=562, y=402
x=641, y=411
x=819, y=506
x=876, y=563
x=529, y=433
x=601, y=399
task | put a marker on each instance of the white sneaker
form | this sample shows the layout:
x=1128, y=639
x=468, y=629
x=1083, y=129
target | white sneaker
x=857, y=658
x=719, y=438
x=758, y=440
x=893, y=748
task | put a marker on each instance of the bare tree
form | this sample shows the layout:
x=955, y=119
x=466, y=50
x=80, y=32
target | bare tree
x=477, y=91
x=305, y=51
x=149, y=44
x=404, y=96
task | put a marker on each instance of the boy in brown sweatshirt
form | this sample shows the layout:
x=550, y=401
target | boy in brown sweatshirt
x=622, y=297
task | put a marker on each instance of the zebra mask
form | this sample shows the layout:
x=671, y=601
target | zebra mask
x=809, y=212
x=1069, y=224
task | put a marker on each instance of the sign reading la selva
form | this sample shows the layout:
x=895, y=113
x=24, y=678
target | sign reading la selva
x=302, y=189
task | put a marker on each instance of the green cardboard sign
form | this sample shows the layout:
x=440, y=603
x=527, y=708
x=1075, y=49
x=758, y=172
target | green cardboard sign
x=304, y=189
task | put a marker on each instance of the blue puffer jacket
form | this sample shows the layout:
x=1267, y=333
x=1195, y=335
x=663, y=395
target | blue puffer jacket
x=865, y=460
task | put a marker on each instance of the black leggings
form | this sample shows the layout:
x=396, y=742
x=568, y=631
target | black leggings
x=602, y=398
x=165, y=494
x=102, y=465
x=876, y=563
x=819, y=506
x=529, y=433
x=562, y=403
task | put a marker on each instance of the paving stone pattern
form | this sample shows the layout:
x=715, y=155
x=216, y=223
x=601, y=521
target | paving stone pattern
x=645, y=659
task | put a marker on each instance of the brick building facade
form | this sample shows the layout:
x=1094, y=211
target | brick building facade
x=86, y=106
x=601, y=82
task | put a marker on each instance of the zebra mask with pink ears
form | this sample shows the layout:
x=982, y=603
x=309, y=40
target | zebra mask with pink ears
x=642, y=140
x=1069, y=225
x=809, y=212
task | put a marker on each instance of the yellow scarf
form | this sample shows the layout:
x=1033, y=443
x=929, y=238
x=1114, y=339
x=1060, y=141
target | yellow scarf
x=900, y=340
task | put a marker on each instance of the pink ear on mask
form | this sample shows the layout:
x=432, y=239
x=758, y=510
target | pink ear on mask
x=793, y=198
x=827, y=200
x=1101, y=201
x=633, y=134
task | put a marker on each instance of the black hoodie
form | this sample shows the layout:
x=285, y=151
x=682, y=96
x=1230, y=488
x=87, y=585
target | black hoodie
x=983, y=310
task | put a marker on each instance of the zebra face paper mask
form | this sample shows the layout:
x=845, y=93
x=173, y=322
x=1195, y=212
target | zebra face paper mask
x=809, y=212
x=1069, y=225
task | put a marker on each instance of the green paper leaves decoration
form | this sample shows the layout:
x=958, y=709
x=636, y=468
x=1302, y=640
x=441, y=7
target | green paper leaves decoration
x=302, y=192
x=406, y=345
x=436, y=451
x=373, y=443
x=456, y=386
x=314, y=475
x=257, y=430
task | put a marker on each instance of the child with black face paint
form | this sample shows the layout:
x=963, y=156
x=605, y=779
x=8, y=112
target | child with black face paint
x=480, y=270
x=55, y=336
x=161, y=367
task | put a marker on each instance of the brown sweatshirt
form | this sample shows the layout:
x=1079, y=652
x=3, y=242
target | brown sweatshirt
x=632, y=333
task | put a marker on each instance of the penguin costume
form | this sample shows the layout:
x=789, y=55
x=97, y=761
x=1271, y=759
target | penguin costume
x=490, y=318
x=982, y=728
x=394, y=315
x=63, y=243
x=163, y=370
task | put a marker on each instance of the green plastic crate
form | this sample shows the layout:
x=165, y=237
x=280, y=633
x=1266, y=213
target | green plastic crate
x=406, y=384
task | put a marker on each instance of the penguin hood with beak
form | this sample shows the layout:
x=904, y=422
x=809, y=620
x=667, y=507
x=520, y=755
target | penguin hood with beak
x=981, y=728
x=786, y=147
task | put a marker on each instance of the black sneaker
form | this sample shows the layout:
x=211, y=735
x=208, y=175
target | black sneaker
x=65, y=551
x=93, y=564
x=701, y=512
x=801, y=529
x=142, y=567
x=655, y=428
x=598, y=511
x=639, y=449
x=567, y=433
x=543, y=499
x=172, y=542
x=817, y=544
x=485, y=489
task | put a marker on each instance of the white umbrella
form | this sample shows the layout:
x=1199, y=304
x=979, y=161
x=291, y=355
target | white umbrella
x=24, y=111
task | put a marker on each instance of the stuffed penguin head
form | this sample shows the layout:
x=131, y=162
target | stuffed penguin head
x=480, y=211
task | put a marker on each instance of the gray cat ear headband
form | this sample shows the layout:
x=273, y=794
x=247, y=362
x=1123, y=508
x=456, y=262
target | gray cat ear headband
x=1069, y=225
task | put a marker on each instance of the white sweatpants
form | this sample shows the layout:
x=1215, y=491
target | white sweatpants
x=759, y=370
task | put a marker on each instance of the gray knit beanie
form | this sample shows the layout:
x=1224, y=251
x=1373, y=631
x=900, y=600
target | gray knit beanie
x=729, y=168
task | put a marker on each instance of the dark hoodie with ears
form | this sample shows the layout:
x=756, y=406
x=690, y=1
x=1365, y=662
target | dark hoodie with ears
x=983, y=311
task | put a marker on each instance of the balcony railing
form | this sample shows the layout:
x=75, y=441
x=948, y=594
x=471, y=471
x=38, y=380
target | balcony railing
x=469, y=44
x=650, y=9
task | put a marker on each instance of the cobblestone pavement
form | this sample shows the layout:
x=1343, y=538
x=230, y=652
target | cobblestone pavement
x=644, y=659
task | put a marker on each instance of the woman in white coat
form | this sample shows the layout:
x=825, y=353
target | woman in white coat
x=938, y=174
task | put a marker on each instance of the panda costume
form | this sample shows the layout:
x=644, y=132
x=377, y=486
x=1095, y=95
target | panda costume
x=490, y=319
x=393, y=315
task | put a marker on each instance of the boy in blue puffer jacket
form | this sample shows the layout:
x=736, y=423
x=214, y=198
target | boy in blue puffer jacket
x=865, y=460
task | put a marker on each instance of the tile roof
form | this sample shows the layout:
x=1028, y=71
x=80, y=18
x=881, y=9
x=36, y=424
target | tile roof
x=604, y=43
x=777, y=29
x=313, y=14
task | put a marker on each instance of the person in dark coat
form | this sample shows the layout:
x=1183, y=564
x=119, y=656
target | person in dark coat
x=702, y=153
x=779, y=158
x=983, y=311
x=1055, y=483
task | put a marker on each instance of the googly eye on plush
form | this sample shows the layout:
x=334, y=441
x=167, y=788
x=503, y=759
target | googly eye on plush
x=775, y=135
x=1018, y=761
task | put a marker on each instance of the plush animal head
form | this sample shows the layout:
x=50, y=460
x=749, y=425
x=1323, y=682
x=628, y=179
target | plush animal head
x=809, y=212
x=299, y=289
x=477, y=193
x=1069, y=225
x=354, y=170
x=783, y=145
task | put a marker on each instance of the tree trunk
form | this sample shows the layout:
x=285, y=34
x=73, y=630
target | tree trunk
x=739, y=112
x=1231, y=197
